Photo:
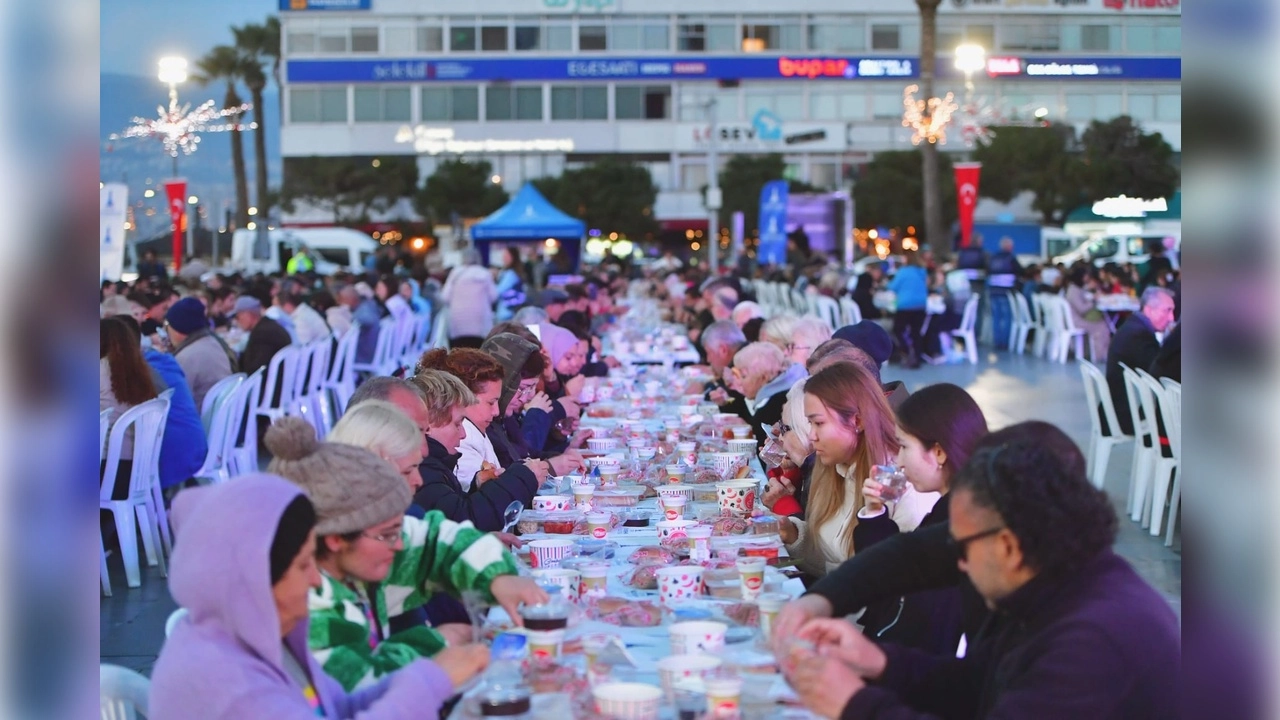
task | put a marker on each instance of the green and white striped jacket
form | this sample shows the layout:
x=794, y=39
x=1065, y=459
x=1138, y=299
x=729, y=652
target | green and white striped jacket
x=439, y=555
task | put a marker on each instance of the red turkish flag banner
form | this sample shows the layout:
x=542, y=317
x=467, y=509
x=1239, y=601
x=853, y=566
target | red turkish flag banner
x=176, y=191
x=967, y=197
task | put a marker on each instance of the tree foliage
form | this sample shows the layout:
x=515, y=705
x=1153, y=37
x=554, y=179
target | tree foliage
x=891, y=187
x=741, y=181
x=1039, y=159
x=225, y=63
x=1119, y=158
x=613, y=195
x=348, y=187
x=461, y=187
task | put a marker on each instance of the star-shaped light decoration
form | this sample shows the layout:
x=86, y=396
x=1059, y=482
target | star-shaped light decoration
x=978, y=121
x=179, y=127
x=927, y=118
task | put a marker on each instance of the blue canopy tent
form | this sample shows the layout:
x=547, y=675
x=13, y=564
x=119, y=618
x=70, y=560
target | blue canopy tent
x=530, y=218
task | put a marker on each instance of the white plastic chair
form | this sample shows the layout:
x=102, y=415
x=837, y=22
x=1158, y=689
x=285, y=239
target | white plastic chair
x=1072, y=336
x=147, y=421
x=852, y=314
x=1023, y=323
x=1167, y=469
x=243, y=456
x=1173, y=426
x=342, y=378
x=282, y=373
x=1144, y=454
x=104, y=426
x=377, y=364
x=440, y=329
x=221, y=443
x=123, y=693
x=829, y=310
x=216, y=395
x=174, y=618
x=968, y=321
x=1041, y=344
x=1097, y=392
x=309, y=401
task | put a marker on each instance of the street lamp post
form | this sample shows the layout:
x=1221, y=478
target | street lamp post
x=173, y=71
x=970, y=58
x=714, y=200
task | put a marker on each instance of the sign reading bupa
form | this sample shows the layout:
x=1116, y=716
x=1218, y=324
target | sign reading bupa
x=295, y=5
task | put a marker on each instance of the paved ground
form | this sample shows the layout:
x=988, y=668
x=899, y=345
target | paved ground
x=1010, y=389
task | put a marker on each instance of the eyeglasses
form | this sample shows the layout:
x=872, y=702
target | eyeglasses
x=390, y=538
x=527, y=392
x=961, y=545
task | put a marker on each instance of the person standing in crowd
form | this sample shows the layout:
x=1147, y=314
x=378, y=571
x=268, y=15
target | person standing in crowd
x=376, y=562
x=447, y=400
x=1078, y=632
x=939, y=427
x=470, y=294
x=308, y=325
x=242, y=568
x=266, y=337
x=852, y=431
x=204, y=358
x=1135, y=345
x=151, y=268
x=511, y=285
x=864, y=291
x=301, y=262
x=910, y=287
x=124, y=380
x=762, y=375
x=1085, y=313
x=1002, y=275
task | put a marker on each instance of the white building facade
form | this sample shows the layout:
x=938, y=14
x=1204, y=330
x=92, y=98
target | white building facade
x=534, y=86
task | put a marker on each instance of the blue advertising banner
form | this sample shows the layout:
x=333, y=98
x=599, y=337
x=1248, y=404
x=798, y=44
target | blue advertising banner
x=294, y=5
x=773, y=223
x=711, y=68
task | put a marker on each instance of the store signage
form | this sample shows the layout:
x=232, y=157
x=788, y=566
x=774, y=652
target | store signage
x=295, y=5
x=1127, y=207
x=581, y=6
x=720, y=68
x=434, y=141
x=1142, y=4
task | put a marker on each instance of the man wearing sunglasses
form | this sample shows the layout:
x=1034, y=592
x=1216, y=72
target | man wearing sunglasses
x=1074, y=631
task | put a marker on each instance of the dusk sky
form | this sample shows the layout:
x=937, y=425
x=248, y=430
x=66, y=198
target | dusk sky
x=137, y=33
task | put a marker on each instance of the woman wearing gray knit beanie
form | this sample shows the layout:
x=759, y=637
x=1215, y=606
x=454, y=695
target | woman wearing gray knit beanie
x=377, y=563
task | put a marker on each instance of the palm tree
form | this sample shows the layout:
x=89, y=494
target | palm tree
x=224, y=63
x=257, y=44
x=934, y=232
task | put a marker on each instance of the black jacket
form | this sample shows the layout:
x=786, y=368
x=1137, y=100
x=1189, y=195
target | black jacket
x=767, y=415
x=864, y=294
x=1135, y=345
x=266, y=339
x=931, y=620
x=1096, y=643
x=483, y=505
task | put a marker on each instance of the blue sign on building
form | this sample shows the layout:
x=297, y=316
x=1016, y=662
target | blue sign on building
x=773, y=223
x=687, y=68
x=294, y=5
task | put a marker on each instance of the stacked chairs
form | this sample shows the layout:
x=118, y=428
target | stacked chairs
x=440, y=329
x=242, y=432
x=147, y=421
x=1023, y=323
x=1166, y=470
x=123, y=694
x=1146, y=446
x=827, y=309
x=341, y=381
x=220, y=405
x=1098, y=394
x=1072, y=336
x=850, y=313
x=968, y=321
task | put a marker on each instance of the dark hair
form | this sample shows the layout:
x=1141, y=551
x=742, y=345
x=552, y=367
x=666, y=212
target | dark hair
x=392, y=282
x=1078, y=274
x=323, y=551
x=473, y=367
x=575, y=322
x=322, y=300
x=296, y=522
x=575, y=291
x=130, y=374
x=289, y=297
x=1034, y=477
x=947, y=416
x=751, y=329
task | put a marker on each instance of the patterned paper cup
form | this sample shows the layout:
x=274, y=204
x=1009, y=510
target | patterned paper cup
x=545, y=643
x=548, y=553
x=725, y=463
x=568, y=581
x=741, y=446
x=737, y=497
x=676, y=584
x=751, y=576
x=697, y=636
x=674, y=529
x=673, y=507
x=598, y=524
x=553, y=503
x=595, y=577
x=627, y=701
x=604, y=444
x=688, y=452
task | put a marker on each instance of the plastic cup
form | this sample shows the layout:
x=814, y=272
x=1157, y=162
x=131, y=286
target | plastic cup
x=751, y=575
x=688, y=452
x=724, y=695
x=741, y=431
x=598, y=524
x=595, y=579
x=608, y=474
x=697, y=636
x=545, y=643
x=593, y=644
x=674, y=668
x=676, y=473
x=892, y=480
x=673, y=507
x=770, y=604
x=582, y=495
x=699, y=543
x=627, y=701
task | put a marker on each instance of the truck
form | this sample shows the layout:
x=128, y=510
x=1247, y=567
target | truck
x=332, y=249
x=1032, y=243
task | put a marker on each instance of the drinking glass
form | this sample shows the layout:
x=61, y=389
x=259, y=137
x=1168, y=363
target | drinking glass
x=893, y=482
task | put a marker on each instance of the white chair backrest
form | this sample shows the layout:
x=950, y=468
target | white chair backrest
x=1021, y=310
x=215, y=396
x=828, y=310
x=223, y=418
x=850, y=310
x=147, y=421
x=306, y=355
x=343, y=356
x=1135, y=390
x=969, y=319
x=1171, y=418
x=1064, y=313
x=1098, y=392
x=174, y=618
x=318, y=372
x=284, y=364
x=123, y=693
x=440, y=329
x=249, y=398
x=104, y=427
x=1037, y=310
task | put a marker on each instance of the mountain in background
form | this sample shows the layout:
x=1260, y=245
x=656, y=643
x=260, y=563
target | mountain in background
x=142, y=164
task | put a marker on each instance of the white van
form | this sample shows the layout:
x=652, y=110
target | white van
x=1134, y=248
x=332, y=248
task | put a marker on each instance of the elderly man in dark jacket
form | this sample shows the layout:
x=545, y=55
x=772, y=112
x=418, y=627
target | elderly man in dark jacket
x=1074, y=633
x=1135, y=345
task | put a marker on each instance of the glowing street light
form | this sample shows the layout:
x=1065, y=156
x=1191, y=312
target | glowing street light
x=173, y=72
x=970, y=58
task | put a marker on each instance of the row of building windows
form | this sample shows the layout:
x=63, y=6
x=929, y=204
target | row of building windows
x=835, y=33
x=458, y=103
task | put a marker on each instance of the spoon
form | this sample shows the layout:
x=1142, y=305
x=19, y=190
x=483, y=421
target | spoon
x=511, y=515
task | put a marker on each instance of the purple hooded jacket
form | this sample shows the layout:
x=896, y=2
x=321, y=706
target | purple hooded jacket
x=224, y=659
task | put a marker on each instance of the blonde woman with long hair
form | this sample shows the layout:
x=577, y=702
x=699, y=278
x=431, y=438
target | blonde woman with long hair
x=852, y=430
